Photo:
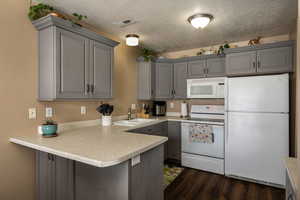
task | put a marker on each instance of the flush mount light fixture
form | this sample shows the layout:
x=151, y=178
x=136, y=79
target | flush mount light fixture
x=132, y=40
x=200, y=20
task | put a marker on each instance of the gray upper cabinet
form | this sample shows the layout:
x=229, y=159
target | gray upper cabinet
x=197, y=69
x=164, y=81
x=180, y=74
x=241, y=63
x=72, y=66
x=260, y=59
x=101, y=61
x=146, y=80
x=215, y=67
x=275, y=60
x=74, y=63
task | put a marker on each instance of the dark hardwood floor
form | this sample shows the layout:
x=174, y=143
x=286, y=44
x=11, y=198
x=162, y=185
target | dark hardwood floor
x=198, y=185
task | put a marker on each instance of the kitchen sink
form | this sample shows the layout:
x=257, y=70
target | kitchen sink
x=133, y=122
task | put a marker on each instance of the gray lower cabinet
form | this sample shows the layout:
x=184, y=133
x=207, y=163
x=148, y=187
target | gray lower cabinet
x=55, y=178
x=74, y=63
x=63, y=179
x=164, y=80
x=197, y=69
x=174, y=140
x=146, y=80
x=275, y=60
x=241, y=63
x=180, y=75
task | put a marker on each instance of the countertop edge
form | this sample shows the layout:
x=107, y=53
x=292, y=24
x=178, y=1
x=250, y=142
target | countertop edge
x=292, y=176
x=85, y=160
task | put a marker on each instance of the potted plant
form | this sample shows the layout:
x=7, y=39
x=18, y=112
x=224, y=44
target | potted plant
x=49, y=128
x=148, y=54
x=39, y=10
x=106, y=111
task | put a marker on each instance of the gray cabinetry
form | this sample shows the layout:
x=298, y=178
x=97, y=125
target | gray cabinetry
x=55, y=179
x=215, y=67
x=197, y=69
x=101, y=62
x=275, y=60
x=74, y=63
x=146, y=80
x=180, y=74
x=260, y=59
x=212, y=66
x=241, y=63
x=164, y=80
x=174, y=140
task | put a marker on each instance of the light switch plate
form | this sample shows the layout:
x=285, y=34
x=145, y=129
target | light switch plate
x=133, y=106
x=83, y=110
x=32, y=113
x=135, y=160
x=49, y=112
x=171, y=105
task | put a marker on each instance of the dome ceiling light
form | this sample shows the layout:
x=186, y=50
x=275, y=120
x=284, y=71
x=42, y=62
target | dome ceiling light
x=132, y=40
x=200, y=20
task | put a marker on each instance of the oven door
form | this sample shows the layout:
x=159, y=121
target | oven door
x=214, y=149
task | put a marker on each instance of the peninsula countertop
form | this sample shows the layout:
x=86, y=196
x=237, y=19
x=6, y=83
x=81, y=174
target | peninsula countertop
x=98, y=146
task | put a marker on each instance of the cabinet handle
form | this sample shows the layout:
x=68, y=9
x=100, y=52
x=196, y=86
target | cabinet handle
x=258, y=64
x=92, y=89
x=254, y=65
x=174, y=92
x=88, y=88
x=207, y=70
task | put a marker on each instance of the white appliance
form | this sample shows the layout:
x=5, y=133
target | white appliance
x=204, y=156
x=257, y=128
x=207, y=88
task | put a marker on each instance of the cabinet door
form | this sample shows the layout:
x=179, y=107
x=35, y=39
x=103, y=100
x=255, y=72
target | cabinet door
x=145, y=89
x=45, y=173
x=275, y=60
x=174, y=142
x=180, y=74
x=241, y=63
x=215, y=67
x=72, y=65
x=164, y=80
x=196, y=69
x=101, y=62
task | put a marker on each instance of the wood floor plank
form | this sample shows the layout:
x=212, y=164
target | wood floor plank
x=194, y=184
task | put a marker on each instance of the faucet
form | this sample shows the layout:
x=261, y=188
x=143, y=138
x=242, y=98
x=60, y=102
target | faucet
x=129, y=114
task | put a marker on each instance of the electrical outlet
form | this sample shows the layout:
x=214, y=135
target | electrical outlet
x=49, y=112
x=83, y=110
x=32, y=113
x=133, y=106
x=171, y=105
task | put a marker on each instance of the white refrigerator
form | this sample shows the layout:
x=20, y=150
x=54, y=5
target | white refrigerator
x=257, y=128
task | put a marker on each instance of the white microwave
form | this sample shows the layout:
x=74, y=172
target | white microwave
x=206, y=88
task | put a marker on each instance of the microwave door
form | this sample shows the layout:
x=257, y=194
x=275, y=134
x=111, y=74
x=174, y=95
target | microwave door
x=202, y=91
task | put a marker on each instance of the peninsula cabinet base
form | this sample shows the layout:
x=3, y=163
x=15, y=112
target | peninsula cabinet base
x=62, y=179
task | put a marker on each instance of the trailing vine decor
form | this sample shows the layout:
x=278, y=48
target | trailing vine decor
x=39, y=10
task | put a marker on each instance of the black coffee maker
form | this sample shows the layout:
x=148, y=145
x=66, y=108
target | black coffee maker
x=159, y=108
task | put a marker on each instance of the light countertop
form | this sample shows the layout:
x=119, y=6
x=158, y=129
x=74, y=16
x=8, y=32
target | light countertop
x=97, y=145
x=293, y=169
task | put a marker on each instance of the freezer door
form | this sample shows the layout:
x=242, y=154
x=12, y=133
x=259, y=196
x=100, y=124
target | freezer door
x=256, y=145
x=258, y=94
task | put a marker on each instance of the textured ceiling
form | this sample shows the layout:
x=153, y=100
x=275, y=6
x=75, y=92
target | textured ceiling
x=162, y=24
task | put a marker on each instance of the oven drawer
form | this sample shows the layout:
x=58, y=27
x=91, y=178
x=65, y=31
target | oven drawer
x=215, y=149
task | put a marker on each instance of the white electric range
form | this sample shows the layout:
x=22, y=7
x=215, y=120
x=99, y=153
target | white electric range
x=203, y=139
